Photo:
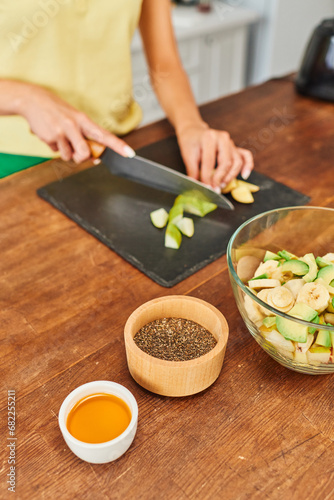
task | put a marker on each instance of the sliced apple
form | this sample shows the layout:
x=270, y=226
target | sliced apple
x=242, y=194
x=173, y=237
x=253, y=188
x=159, y=217
x=186, y=226
x=231, y=185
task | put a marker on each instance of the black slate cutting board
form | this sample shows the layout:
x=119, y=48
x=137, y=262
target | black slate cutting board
x=117, y=212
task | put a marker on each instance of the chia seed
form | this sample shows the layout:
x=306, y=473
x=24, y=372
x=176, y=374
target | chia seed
x=174, y=339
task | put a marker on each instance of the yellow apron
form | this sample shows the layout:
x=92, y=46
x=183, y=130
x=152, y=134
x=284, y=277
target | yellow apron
x=78, y=49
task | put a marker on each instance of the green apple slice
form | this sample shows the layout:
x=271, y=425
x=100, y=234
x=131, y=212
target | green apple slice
x=159, y=217
x=186, y=226
x=175, y=214
x=173, y=237
x=195, y=203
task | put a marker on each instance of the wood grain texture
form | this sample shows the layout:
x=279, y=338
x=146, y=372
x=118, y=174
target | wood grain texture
x=260, y=431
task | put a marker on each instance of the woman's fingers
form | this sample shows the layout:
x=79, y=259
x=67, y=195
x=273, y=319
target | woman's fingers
x=208, y=158
x=225, y=175
x=74, y=136
x=191, y=156
x=64, y=148
x=231, y=161
x=98, y=134
x=248, y=162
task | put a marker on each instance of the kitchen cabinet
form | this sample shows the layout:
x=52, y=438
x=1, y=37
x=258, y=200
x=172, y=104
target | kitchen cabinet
x=213, y=49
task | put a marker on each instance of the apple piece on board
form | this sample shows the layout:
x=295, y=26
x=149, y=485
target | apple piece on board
x=173, y=237
x=159, y=217
x=231, y=185
x=186, y=226
x=253, y=188
x=242, y=194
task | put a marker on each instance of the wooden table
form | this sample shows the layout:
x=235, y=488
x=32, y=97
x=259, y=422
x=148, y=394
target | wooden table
x=261, y=431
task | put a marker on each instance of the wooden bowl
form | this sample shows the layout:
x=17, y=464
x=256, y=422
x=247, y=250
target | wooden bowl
x=176, y=378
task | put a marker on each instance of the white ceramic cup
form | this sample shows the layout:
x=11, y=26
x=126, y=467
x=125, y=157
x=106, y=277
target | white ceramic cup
x=99, y=453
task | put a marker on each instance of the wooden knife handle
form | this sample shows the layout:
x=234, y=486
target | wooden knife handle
x=96, y=149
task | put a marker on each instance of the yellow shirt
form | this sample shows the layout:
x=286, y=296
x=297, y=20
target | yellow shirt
x=78, y=49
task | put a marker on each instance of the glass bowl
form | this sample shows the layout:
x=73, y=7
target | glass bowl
x=300, y=231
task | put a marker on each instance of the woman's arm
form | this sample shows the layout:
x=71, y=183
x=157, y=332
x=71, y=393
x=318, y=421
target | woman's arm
x=201, y=147
x=55, y=122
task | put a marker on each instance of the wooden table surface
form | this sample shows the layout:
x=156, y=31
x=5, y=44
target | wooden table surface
x=260, y=431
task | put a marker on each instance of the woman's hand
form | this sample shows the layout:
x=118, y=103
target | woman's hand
x=212, y=157
x=60, y=125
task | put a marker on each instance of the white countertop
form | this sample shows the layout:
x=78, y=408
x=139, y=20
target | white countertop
x=189, y=22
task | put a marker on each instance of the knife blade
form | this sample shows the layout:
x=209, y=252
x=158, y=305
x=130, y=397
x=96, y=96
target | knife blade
x=158, y=176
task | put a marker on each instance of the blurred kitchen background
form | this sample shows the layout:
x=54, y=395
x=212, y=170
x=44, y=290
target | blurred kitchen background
x=234, y=44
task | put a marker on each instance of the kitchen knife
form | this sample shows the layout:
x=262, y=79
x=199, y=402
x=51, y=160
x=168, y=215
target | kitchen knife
x=158, y=176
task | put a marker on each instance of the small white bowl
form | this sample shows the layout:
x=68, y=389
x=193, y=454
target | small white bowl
x=99, y=453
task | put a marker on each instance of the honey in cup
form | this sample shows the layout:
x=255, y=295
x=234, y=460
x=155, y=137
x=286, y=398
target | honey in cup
x=98, y=418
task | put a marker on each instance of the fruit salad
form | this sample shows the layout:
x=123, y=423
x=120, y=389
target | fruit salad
x=302, y=287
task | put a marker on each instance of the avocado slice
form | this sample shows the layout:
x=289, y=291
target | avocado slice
x=313, y=268
x=327, y=274
x=269, y=321
x=297, y=267
x=321, y=262
x=284, y=254
x=260, y=277
x=303, y=311
x=292, y=330
x=311, y=329
x=324, y=338
x=270, y=256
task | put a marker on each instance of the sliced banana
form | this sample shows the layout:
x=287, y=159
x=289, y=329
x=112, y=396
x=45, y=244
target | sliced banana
x=246, y=267
x=263, y=294
x=253, y=311
x=271, y=268
x=315, y=295
x=304, y=346
x=263, y=283
x=280, y=298
x=295, y=285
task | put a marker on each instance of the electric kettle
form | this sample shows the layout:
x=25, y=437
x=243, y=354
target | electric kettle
x=316, y=75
